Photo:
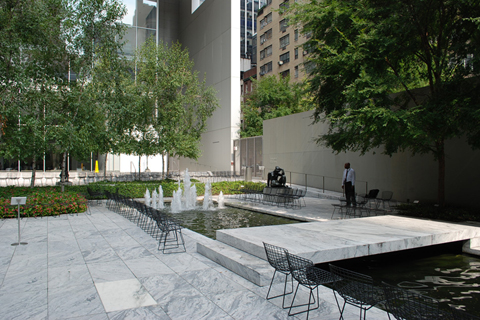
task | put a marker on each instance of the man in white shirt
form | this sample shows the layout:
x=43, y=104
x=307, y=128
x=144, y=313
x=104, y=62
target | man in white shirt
x=348, y=184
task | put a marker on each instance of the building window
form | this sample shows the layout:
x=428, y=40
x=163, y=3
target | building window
x=266, y=68
x=284, y=6
x=283, y=25
x=306, y=49
x=265, y=21
x=309, y=66
x=266, y=52
x=284, y=41
x=285, y=73
x=296, y=71
x=285, y=57
x=296, y=53
x=267, y=35
x=296, y=35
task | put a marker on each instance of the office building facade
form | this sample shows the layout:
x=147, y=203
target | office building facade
x=210, y=29
x=279, y=48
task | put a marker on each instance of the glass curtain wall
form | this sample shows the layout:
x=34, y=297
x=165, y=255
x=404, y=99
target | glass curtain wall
x=141, y=19
x=248, y=26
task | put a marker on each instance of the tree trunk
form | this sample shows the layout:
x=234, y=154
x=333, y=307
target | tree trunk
x=105, y=168
x=139, y=161
x=441, y=172
x=163, y=165
x=168, y=164
x=64, y=171
x=34, y=172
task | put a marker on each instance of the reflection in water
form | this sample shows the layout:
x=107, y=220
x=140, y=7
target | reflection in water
x=453, y=279
x=207, y=222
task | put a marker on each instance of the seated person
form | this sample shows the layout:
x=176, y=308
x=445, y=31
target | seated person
x=276, y=178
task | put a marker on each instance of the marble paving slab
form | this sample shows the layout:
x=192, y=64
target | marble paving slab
x=124, y=294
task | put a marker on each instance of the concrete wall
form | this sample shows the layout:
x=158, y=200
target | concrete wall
x=289, y=143
x=212, y=35
x=168, y=22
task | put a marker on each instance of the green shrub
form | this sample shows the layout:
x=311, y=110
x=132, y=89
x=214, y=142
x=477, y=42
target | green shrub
x=137, y=189
x=49, y=201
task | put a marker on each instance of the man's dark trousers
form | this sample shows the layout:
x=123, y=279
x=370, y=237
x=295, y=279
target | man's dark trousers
x=350, y=194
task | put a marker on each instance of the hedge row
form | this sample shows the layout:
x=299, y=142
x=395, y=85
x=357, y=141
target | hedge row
x=50, y=201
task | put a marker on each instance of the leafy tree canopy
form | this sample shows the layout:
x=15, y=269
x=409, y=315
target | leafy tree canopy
x=48, y=52
x=370, y=56
x=271, y=97
x=172, y=105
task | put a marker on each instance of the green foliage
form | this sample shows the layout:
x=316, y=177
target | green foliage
x=272, y=97
x=369, y=57
x=40, y=202
x=29, y=61
x=41, y=43
x=47, y=201
x=171, y=107
x=136, y=189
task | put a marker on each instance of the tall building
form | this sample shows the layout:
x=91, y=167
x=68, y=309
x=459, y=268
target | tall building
x=210, y=29
x=248, y=26
x=278, y=44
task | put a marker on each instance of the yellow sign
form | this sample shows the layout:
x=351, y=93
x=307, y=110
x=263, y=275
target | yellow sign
x=96, y=166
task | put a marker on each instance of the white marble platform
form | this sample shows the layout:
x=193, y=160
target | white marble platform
x=329, y=241
x=351, y=238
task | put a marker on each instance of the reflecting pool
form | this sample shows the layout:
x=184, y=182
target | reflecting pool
x=206, y=222
x=442, y=272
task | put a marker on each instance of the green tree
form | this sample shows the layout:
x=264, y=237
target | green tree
x=29, y=50
x=369, y=56
x=110, y=90
x=172, y=105
x=91, y=33
x=42, y=44
x=271, y=97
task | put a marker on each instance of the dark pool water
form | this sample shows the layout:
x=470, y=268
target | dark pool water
x=440, y=272
x=208, y=222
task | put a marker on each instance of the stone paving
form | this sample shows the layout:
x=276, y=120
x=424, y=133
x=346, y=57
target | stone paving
x=100, y=265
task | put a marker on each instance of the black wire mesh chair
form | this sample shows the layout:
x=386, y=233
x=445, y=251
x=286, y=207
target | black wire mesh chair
x=298, y=198
x=385, y=198
x=406, y=304
x=277, y=258
x=372, y=196
x=285, y=197
x=304, y=271
x=147, y=222
x=96, y=195
x=170, y=230
x=272, y=197
x=356, y=289
x=109, y=196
